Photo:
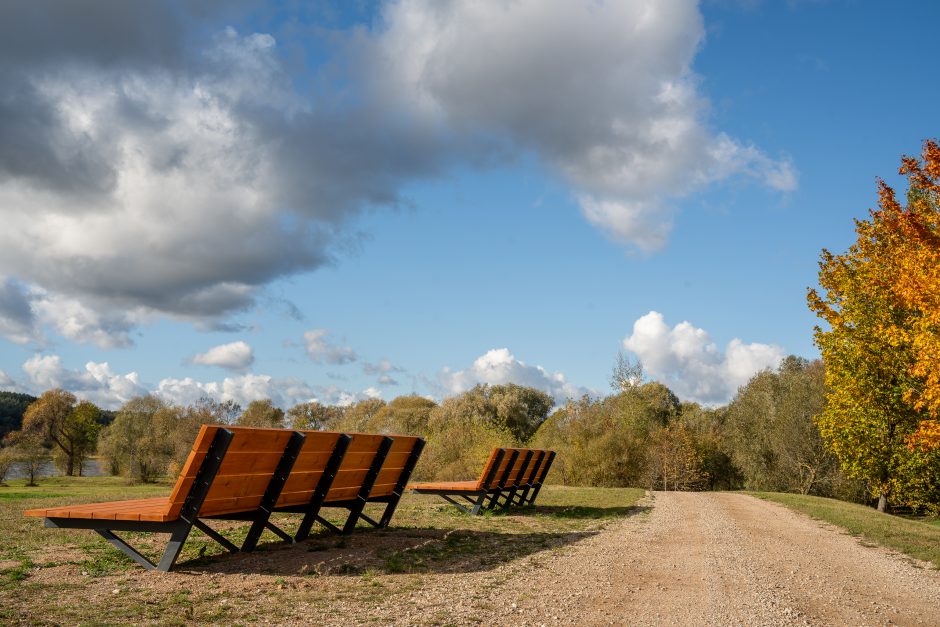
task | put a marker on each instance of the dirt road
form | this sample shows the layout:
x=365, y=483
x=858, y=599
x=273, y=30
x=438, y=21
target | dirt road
x=704, y=559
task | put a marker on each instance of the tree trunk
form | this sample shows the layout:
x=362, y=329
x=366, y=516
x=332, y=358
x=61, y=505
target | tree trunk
x=882, y=502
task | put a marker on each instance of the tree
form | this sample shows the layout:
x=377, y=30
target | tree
x=627, y=374
x=770, y=431
x=7, y=459
x=12, y=407
x=140, y=443
x=917, y=282
x=406, y=415
x=28, y=451
x=461, y=436
x=603, y=442
x=868, y=352
x=209, y=411
x=262, y=413
x=518, y=408
x=86, y=422
x=673, y=460
x=313, y=415
x=54, y=417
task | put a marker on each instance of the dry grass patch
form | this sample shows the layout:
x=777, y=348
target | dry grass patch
x=56, y=576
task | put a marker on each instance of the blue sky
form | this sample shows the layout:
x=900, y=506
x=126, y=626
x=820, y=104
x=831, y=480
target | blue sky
x=374, y=199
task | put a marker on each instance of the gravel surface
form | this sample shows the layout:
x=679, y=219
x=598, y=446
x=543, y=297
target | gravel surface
x=695, y=559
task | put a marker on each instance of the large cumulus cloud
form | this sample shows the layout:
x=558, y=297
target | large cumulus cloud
x=156, y=163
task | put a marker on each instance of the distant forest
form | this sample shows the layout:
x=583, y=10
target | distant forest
x=12, y=406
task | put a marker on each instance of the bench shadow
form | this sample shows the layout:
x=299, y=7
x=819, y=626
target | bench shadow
x=576, y=511
x=386, y=551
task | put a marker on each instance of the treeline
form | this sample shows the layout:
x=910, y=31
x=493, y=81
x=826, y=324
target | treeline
x=640, y=436
x=766, y=438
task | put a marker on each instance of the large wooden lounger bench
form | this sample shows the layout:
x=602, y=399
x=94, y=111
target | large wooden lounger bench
x=511, y=476
x=243, y=473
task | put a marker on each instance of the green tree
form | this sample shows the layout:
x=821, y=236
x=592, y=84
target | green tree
x=405, y=415
x=462, y=433
x=262, y=413
x=140, y=443
x=86, y=422
x=357, y=417
x=868, y=354
x=600, y=442
x=7, y=459
x=674, y=462
x=209, y=411
x=55, y=417
x=770, y=430
x=314, y=415
x=12, y=407
x=28, y=450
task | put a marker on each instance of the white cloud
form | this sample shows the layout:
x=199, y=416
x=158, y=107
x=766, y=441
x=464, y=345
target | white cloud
x=602, y=92
x=686, y=360
x=242, y=389
x=499, y=366
x=237, y=356
x=151, y=170
x=321, y=350
x=97, y=383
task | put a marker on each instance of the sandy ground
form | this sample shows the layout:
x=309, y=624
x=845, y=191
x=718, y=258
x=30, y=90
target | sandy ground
x=682, y=559
x=699, y=559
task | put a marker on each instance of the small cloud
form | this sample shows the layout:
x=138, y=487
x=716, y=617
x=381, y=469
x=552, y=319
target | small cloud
x=235, y=356
x=383, y=367
x=387, y=380
x=321, y=350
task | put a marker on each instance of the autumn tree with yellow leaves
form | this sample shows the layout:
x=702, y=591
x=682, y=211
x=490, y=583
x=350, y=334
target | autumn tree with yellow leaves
x=881, y=300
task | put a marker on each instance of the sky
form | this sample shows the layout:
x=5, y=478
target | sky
x=335, y=201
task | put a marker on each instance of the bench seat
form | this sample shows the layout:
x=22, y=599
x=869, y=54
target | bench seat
x=152, y=510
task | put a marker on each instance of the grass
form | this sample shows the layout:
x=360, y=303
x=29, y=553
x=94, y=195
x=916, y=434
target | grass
x=918, y=539
x=68, y=576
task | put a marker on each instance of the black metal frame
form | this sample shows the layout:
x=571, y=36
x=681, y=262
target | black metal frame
x=178, y=529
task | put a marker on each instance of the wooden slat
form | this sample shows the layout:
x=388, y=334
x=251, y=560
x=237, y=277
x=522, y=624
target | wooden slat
x=489, y=465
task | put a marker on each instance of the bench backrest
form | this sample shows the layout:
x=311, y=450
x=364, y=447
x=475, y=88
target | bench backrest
x=493, y=469
x=521, y=468
x=247, y=468
x=395, y=463
x=531, y=473
x=525, y=468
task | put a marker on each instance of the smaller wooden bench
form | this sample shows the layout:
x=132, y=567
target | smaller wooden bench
x=243, y=473
x=511, y=476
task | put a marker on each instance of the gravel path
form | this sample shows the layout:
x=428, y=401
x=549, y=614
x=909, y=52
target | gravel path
x=696, y=559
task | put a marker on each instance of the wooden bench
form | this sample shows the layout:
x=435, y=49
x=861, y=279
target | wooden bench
x=243, y=473
x=511, y=476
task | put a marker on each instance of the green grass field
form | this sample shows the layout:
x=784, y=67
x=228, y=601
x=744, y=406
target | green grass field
x=56, y=576
x=918, y=539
